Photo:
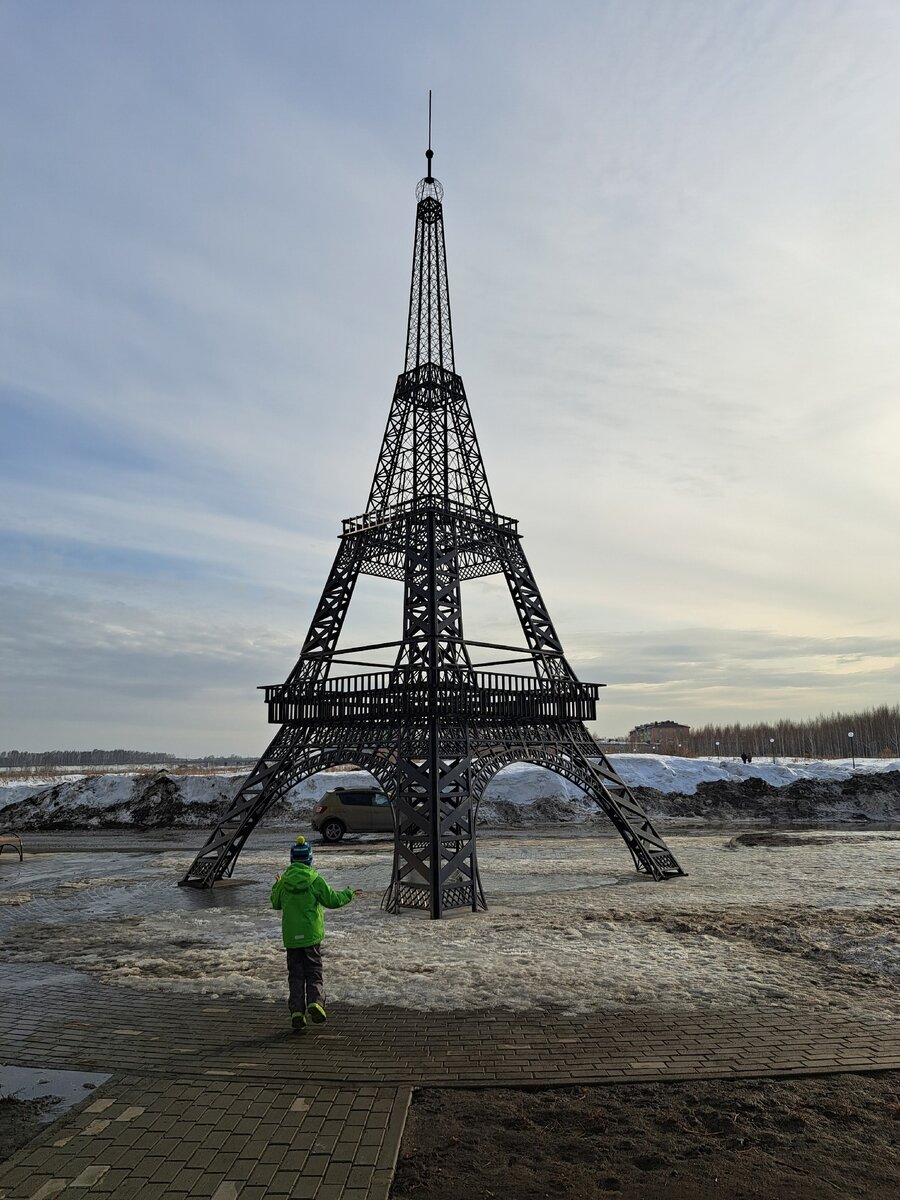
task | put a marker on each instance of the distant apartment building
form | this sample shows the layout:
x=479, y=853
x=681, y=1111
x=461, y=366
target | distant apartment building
x=664, y=735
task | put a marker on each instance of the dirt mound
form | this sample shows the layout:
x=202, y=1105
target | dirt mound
x=163, y=801
x=858, y=798
x=157, y=801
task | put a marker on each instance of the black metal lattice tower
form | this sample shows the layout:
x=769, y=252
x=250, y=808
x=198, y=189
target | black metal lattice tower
x=431, y=726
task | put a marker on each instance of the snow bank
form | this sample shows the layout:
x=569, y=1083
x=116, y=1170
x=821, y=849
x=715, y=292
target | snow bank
x=521, y=794
x=151, y=801
x=141, y=800
x=786, y=790
x=668, y=774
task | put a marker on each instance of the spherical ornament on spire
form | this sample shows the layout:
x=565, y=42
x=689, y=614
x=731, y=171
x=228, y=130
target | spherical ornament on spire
x=429, y=187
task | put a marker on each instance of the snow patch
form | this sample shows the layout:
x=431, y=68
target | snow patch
x=807, y=919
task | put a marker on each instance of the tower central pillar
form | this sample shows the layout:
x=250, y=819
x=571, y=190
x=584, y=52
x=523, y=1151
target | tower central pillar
x=435, y=866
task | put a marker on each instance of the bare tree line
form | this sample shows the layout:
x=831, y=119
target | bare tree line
x=39, y=760
x=876, y=734
x=80, y=758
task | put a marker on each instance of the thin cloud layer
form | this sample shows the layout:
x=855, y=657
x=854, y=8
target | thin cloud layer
x=672, y=233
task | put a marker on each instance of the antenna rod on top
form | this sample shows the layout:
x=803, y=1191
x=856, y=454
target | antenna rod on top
x=429, y=153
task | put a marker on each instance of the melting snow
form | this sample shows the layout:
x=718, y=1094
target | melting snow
x=773, y=917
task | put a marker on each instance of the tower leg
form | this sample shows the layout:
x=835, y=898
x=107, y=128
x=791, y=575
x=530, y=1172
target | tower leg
x=294, y=754
x=593, y=771
x=264, y=784
x=574, y=755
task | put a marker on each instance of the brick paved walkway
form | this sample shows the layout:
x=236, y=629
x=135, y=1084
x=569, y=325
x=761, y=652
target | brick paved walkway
x=177, y=1137
x=220, y=1100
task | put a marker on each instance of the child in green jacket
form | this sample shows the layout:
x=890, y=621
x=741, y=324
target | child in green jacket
x=300, y=894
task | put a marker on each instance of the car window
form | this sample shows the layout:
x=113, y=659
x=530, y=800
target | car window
x=380, y=799
x=360, y=799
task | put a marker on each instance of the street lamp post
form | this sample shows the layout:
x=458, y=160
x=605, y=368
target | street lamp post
x=717, y=749
x=852, y=751
x=772, y=744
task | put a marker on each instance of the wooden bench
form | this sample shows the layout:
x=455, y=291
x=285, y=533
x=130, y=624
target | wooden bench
x=13, y=841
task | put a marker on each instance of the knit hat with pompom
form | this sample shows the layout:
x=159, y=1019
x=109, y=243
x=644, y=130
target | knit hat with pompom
x=301, y=852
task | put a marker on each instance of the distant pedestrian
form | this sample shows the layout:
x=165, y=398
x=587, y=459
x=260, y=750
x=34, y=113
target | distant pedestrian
x=300, y=893
x=743, y=757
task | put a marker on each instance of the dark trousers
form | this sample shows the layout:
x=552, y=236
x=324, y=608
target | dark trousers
x=304, y=964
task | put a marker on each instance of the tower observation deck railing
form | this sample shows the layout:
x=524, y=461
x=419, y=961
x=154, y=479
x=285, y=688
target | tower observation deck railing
x=384, y=516
x=388, y=696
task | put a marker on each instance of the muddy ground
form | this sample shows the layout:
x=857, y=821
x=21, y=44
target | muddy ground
x=813, y=1138
x=20, y=1121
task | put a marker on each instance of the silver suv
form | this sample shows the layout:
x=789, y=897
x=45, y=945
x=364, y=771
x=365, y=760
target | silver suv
x=352, y=810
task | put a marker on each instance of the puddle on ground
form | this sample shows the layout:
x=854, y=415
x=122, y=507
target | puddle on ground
x=61, y=1090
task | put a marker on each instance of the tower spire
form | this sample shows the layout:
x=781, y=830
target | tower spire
x=429, y=333
x=429, y=153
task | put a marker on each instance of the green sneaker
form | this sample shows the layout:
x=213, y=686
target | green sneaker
x=316, y=1014
x=298, y=1022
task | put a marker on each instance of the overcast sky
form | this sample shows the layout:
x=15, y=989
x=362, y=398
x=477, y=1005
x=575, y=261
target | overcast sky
x=674, y=256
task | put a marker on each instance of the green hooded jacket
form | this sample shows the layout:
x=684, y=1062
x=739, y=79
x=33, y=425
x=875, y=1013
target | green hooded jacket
x=300, y=894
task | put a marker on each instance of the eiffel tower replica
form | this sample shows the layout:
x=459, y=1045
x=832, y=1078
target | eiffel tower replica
x=430, y=725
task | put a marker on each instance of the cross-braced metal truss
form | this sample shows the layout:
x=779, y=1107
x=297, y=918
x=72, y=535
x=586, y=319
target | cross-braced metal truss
x=432, y=726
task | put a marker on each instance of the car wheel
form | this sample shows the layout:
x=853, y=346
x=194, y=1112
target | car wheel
x=332, y=830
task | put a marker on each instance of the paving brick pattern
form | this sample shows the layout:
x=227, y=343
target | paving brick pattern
x=124, y=1029
x=220, y=1100
x=217, y=1139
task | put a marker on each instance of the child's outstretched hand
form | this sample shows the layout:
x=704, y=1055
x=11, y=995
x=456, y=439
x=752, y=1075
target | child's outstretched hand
x=357, y=891
x=277, y=877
